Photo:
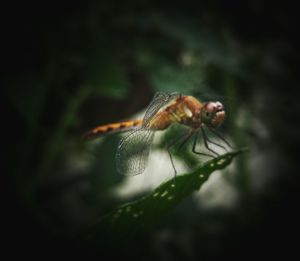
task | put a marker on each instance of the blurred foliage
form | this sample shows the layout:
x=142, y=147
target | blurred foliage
x=72, y=67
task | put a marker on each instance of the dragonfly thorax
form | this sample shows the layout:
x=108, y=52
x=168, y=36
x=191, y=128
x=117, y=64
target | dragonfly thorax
x=188, y=110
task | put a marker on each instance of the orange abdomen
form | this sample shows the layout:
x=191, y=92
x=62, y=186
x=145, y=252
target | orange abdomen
x=113, y=127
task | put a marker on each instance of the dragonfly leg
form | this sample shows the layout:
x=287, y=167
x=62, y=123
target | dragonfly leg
x=205, y=142
x=187, y=136
x=217, y=144
x=173, y=165
x=221, y=137
x=184, y=139
x=196, y=152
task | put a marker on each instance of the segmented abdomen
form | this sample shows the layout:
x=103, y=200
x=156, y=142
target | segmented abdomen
x=113, y=127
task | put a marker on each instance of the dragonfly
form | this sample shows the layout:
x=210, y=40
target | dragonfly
x=164, y=110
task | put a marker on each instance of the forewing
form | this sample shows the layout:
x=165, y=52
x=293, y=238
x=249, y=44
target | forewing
x=159, y=100
x=133, y=152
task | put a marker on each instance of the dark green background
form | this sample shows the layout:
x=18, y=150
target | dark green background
x=69, y=67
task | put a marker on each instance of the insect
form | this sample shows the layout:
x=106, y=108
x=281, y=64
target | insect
x=163, y=111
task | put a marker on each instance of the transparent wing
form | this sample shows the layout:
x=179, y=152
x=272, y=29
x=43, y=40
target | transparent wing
x=159, y=100
x=133, y=151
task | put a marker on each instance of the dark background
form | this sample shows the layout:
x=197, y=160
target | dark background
x=69, y=67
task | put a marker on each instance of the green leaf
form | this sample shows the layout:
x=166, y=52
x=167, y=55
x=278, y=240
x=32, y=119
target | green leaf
x=143, y=213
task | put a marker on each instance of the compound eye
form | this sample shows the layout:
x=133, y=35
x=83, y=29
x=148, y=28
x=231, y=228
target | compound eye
x=210, y=107
x=219, y=105
x=214, y=106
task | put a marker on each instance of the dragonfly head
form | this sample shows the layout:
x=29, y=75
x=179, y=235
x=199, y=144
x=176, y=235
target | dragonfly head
x=213, y=114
